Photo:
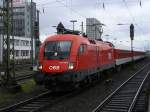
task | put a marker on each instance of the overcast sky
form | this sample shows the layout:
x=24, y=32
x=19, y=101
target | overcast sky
x=109, y=12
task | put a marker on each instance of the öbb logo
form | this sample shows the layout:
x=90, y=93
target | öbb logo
x=54, y=67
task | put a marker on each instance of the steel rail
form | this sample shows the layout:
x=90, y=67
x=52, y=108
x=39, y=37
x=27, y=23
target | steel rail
x=137, y=94
x=107, y=100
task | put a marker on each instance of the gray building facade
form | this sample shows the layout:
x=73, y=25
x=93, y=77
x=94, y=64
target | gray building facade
x=22, y=18
x=93, y=28
x=22, y=14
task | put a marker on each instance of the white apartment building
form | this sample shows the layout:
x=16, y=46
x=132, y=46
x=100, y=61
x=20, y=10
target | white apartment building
x=22, y=48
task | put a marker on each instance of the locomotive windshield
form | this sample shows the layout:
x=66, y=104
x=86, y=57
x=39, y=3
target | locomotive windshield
x=57, y=50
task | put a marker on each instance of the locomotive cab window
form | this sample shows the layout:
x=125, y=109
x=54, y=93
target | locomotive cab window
x=57, y=50
x=82, y=49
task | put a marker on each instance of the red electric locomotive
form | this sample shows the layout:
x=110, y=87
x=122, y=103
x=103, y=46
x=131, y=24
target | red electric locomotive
x=67, y=59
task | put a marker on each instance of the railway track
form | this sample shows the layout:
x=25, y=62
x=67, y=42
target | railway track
x=124, y=98
x=23, y=65
x=21, y=79
x=24, y=77
x=38, y=103
x=19, y=66
x=31, y=105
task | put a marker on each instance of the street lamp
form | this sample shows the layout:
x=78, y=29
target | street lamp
x=73, y=21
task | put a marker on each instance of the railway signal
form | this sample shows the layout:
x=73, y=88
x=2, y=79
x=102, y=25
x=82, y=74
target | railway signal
x=132, y=38
x=132, y=32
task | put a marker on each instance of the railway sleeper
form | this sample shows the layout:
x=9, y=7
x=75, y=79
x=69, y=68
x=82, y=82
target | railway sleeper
x=134, y=82
x=131, y=87
x=34, y=105
x=114, y=110
x=129, y=91
x=125, y=95
x=29, y=108
x=122, y=98
x=116, y=107
x=22, y=110
x=118, y=104
x=36, y=102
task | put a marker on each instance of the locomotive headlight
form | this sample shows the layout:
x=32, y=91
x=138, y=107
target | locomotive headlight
x=40, y=67
x=71, y=66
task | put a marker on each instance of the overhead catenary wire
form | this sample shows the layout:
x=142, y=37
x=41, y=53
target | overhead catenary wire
x=70, y=7
x=132, y=17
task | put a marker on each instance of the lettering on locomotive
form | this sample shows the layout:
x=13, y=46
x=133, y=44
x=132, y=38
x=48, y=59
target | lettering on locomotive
x=54, y=67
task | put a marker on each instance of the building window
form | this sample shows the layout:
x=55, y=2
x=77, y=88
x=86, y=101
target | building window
x=17, y=42
x=16, y=53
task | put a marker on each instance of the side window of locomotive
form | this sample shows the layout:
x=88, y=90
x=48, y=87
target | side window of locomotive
x=82, y=49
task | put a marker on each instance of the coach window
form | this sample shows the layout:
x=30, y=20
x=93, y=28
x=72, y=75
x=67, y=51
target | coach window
x=82, y=49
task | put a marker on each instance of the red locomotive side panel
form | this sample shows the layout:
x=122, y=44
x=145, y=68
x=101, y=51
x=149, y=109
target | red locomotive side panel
x=87, y=58
x=106, y=56
x=98, y=55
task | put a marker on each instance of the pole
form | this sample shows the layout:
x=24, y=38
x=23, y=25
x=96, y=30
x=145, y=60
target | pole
x=12, y=33
x=31, y=53
x=37, y=40
x=73, y=21
x=8, y=41
x=95, y=32
x=8, y=50
x=82, y=29
x=132, y=52
x=73, y=26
